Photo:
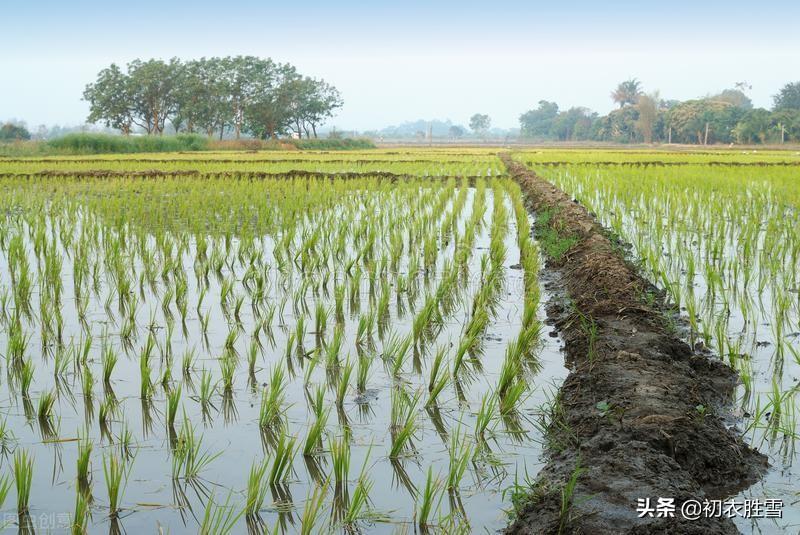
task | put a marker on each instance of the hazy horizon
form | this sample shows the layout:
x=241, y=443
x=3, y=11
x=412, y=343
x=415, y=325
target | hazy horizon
x=411, y=60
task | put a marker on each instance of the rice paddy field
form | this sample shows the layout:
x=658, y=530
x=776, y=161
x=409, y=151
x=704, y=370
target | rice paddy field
x=349, y=342
x=308, y=342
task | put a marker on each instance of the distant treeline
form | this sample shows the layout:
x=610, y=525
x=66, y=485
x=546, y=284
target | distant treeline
x=213, y=96
x=728, y=117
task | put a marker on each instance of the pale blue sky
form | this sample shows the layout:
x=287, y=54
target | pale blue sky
x=410, y=60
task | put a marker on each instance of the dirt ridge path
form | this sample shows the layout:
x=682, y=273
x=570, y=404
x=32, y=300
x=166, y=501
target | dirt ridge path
x=640, y=415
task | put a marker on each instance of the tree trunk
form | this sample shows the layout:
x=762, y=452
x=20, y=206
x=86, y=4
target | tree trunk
x=705, y=139
x=314, y=129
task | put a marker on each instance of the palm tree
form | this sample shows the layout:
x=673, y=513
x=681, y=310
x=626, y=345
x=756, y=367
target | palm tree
x=627, y=92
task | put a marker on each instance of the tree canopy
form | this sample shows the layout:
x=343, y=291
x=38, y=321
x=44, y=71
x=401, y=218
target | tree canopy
x=788, y=98
x=241, y=94
x=480, y=123
x=725, y=117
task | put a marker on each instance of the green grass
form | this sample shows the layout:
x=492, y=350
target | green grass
x=554, y=244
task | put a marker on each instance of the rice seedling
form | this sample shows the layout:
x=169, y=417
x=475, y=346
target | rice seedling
x=84, y=457
x=188, y=456
x=109, y=361
x=23, y=478
x=173, y=401
x=45, y=409
x=429, y=500
x=340, y=458
x=315, y=504
x=283, y=456
x=272, y=399
x=219, y=519
x=316, y=430
x=25, y=377
x=256, y=489
x=333, y=348
x=438, y=378
x=358, y=506
x=485, y=415
x=460, y=453
x=362, y=374
x=81, y=515
x=344, y=382
x=404, y=423
x=115, y=472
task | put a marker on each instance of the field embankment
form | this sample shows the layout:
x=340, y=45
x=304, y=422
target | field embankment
x=640, y=414
x=89, y=143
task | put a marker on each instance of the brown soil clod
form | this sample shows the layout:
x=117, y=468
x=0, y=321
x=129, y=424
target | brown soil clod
x=640, y=412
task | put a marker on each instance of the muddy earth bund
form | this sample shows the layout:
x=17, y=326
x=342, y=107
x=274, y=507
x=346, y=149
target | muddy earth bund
x=640, y=415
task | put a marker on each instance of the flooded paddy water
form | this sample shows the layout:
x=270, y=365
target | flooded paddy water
x=189, y=333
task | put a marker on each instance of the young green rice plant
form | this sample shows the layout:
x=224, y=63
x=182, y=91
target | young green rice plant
x=81, y=515
x=25, y=378
x=315, y=504
x=109, y=361
x=334, y=348
x=61, y=362
x=283, y=458
x=358, y=507
x=46, y=403
x=316, y=430
x=364, y=331
x=231, y=339
x=23, y=478
x=219, y=519
x=321, y=319
x=395, y=351
x=485, y=416
x=145, y=372
x=207, y=388
x=340, y=458
x=438, y=377
x=429, y=500
x=173, y=401
x=84, y=457
x=227, y=367
x=404, y=423
x=338, y=297
x=87, y=384
x=252, y=356
x=272, y=400
x=362, y=375
x=187, y=362
x=460, y=453
x=115, y=472
x=344, y=382
x=256, y=489
x=105, y=413
x=188, y=456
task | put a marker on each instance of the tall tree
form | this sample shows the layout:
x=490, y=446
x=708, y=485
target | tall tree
x=627, y=92
x=538, y=123
x=788, y=98
x=109, y=99
x=152, y=89
x=480, y=123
